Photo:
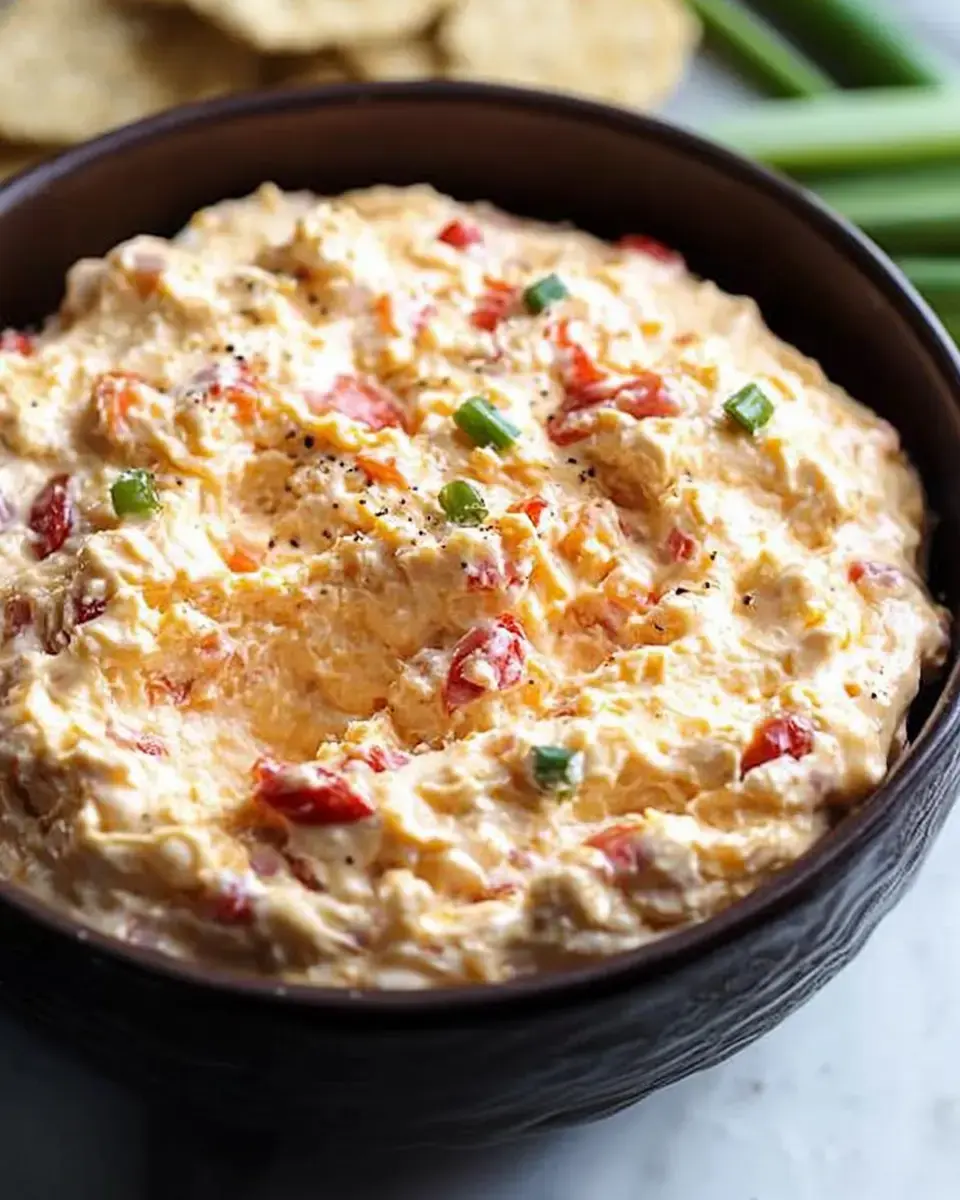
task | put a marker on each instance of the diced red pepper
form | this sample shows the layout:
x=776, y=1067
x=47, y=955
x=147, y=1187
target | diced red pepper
x=17, y=615
x=497, y=303
x=51, y=517
x=641, y=244
x=534, y=508
x=789, y=733
x=379, y=758
x=881, y=574
x=460, y=234
x=502, y=645
x=622, y=845
x=12, y=341
x=309, y=794
x=680, y=546
x=363, y=400
x=586, y=386
x=88, y=608
x=233, y=905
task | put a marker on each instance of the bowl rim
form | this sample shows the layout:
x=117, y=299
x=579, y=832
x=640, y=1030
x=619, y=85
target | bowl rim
x=670, y=953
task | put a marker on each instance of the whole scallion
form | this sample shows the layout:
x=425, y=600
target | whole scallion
x=758, y=51
x=859, y=41
x=849, y=131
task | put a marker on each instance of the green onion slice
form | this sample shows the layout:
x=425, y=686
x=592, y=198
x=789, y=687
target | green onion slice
x=484, y=425
x=540, y=295
x=134, y=494
x=750, y=407
x=556, y=769
x=463, y=503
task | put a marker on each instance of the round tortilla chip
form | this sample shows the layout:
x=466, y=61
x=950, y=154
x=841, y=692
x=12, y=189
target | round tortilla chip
x=633, y=52
x=396, y=60
x=70, y=69
x=277, y=26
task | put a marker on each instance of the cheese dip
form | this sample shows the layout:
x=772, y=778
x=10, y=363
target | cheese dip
x=401, y=594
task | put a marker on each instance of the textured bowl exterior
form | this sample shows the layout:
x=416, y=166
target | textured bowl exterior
x=475, y=1064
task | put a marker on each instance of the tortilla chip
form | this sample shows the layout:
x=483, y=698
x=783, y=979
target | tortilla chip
x=299, y=26
x=70, y=69
x=632, y=52
x=396, y=60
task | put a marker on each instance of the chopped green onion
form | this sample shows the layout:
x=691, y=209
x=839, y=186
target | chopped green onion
x=849, y=131
x=134, y=494
x=555, y=768
x=540, y=295
x=862, y=46
x=759, y=51
x=463, y=503
x=750, y=407
x=908, y=211
x=484, y=425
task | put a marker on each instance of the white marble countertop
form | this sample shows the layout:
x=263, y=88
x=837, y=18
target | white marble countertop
x=855, y=1096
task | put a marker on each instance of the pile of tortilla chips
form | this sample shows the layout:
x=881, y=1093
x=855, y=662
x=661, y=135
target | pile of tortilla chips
x=70, y=69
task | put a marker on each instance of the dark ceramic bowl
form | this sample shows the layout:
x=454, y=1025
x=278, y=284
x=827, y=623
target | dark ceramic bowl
x=474, y=1063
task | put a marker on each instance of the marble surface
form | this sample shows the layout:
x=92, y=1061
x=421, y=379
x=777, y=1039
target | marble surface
x=857, y=1095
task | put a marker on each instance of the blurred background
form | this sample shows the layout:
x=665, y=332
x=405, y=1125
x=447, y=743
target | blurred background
x=857, y=1094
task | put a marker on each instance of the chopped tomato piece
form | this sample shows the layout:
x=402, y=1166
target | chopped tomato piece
x=500, y=646
x=497, y=303
x=379, y=758
x=309, y=794
x=642, y=244
x=460, y=234
x=114, y=394
x=51, y=517
x=881, y=574
x=789, y=733
x=680, y=546
x=17, y=615
x=382, y=470
x=88, y=608
x=622, y=845
x=534, y=508
x=363, y=400
x=12, y=341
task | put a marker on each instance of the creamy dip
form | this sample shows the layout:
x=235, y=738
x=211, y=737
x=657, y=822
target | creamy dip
x=397, y=593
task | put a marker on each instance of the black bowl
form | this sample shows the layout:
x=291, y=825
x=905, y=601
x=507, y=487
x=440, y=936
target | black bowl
x=474, y=1063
